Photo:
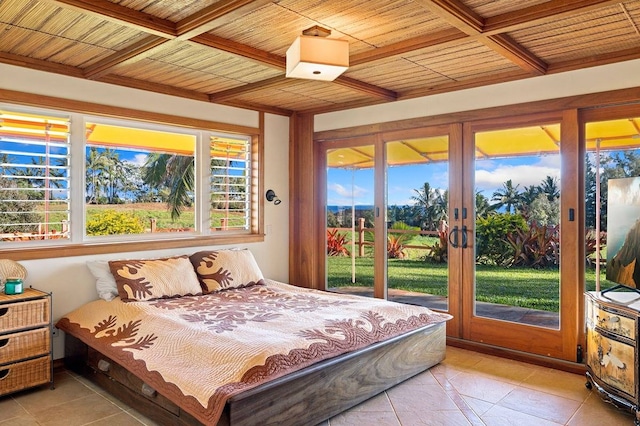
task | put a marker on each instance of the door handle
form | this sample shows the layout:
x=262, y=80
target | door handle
x=454, y=234
x=464, y=237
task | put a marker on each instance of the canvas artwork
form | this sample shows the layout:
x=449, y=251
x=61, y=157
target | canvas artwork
x=623, y=232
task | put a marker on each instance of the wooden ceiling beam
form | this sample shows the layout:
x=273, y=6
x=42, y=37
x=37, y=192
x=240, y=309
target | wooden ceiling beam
x=40, y=65
x=472, y=24
x=121, y=15
x=240, y=49
x=369, y=89
x=511, y=50
x=104, y=66
x=405, y=46
x=226, y=95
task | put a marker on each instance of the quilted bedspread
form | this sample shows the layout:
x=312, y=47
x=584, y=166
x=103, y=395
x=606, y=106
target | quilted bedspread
x=199, y=351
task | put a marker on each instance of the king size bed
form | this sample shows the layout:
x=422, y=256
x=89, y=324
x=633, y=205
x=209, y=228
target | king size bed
x=240, y=349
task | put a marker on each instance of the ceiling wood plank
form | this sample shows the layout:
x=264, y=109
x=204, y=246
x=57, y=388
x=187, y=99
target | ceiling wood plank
x=121, y=15
x=104, y=66
x=405, y=46
x=603, y=59
x=215, y=15
x=540, y=14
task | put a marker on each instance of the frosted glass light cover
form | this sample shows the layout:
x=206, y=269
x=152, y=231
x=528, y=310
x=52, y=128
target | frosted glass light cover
x=317, y=58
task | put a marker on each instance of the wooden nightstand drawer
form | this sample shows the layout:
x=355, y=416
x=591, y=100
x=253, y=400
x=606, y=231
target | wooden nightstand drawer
x=25, y=374
x=24, y=344
x=21, y=315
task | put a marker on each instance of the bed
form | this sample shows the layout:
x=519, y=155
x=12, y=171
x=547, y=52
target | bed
x=246, y=350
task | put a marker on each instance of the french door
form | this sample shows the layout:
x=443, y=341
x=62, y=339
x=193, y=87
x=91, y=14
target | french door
x=519, y=290
x=467, y=249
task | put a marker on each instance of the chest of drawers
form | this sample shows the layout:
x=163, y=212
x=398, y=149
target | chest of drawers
x=25, y=340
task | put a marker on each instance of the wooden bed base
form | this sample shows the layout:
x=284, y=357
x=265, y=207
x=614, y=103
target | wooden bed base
x=308, y=396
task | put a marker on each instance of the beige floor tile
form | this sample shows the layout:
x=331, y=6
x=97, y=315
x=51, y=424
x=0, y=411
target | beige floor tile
x=477, y=405
x=420, y=399
x=504, y=369
x=379, y=402
x=142, y=418
x=559, y=383
x=435, y=418
x=481, y=387
x=595, y=412
x=120, y=419
x=66, y=389
x=539, y=404
x=77, y=412
x=501, y=416
x=359, y=418
x=19, y=421
x=10, y=408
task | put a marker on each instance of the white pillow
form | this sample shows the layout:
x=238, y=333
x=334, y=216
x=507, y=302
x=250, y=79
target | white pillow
x=105, y=283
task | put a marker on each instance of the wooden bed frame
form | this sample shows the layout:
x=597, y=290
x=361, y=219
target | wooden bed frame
x=308, y=396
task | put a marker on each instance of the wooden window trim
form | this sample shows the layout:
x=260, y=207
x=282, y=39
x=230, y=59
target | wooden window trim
x=256, y=233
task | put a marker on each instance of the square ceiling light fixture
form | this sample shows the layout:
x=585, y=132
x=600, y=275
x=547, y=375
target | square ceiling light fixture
x=314, y=56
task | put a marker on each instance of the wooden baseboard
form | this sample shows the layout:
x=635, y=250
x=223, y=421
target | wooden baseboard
x=571, y=367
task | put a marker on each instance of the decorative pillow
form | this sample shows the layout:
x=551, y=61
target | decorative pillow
x=223, y=269
x=105, y=283
x=139, y=280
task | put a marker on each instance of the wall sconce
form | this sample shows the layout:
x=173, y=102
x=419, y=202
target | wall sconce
x=271, y=196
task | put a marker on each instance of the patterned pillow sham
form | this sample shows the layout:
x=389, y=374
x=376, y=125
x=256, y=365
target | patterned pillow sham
x=223, y=269
x=149, y=279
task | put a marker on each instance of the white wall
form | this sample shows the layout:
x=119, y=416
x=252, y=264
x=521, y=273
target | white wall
x=68, y=278
x=589, y=80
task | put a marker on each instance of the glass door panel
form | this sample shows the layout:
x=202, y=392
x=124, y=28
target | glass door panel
x=417, y=194
x=517, y=225
x=350, y=225
x=612, y=170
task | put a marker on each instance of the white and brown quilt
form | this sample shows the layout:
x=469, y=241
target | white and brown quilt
x=199, y=351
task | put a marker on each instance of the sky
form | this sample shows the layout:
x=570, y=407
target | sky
x=404, y=180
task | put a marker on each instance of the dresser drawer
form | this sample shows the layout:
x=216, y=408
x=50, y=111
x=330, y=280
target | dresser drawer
x=612, y=362
x=20, y=315
x=24, y=344
x=25, y=374
x=611, y=320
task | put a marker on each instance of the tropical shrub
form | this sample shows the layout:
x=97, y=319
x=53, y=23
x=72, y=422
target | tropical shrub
x=111, y=222
x=336, y=243
x=438, y=253
x=395, y=245
x=537, y=247
x=491, y=245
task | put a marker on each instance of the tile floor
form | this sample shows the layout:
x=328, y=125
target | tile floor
x=466, y=389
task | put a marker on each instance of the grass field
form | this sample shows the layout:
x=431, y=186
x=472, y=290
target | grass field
x=524, y=287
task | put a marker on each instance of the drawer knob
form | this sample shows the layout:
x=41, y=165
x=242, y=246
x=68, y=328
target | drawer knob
x=103, y=365
x=148, y=391
x=4, y=373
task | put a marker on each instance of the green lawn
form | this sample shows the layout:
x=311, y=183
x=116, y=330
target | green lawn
x=524, y=287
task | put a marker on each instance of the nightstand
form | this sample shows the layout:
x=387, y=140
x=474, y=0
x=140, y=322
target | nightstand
x=25, y=341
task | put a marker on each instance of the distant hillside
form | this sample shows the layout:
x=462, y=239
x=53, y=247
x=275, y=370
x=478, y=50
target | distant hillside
x=624, y=268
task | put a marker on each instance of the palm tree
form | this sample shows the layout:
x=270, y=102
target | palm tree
x=176, y=172
x=550, y=188
x=508, y=196
x=431, y=205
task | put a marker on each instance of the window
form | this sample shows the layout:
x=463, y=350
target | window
x=78, y=179
x=230, y=183
x=34, y=177
x=138, y=180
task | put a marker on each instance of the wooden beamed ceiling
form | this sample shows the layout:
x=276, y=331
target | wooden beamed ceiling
x=458, y=37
